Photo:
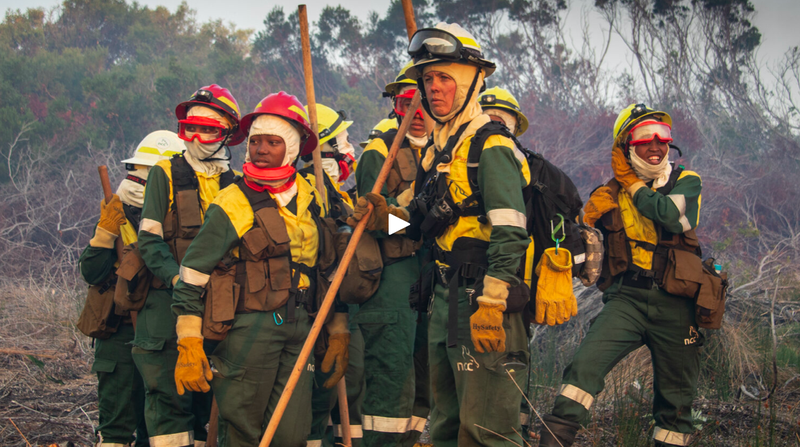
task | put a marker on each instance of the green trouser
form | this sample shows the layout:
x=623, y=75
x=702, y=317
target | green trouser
x=252, y=365
x=389, y=327
x=422, y=382
x=120, y=392
x=633, y=317
x=324, y=402
x=470, y=389
x=172, y=420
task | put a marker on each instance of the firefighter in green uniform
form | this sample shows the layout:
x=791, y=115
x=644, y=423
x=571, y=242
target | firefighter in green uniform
x=120, y=393
x=475, y=335
x=268, y=226
x=338, y=162
x=648, y=211
x=386, y=319
x=177, y=195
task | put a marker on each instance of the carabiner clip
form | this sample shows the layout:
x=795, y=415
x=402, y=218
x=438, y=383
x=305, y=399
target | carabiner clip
x=554, y=231
x=276, y=316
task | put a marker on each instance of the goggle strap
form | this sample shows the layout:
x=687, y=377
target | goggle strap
x=334, y=126
x=135, y=179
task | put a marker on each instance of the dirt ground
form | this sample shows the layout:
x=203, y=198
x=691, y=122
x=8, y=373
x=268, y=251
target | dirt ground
x=49, y=397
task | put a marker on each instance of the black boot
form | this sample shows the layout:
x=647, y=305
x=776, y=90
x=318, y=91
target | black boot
x=563, y=432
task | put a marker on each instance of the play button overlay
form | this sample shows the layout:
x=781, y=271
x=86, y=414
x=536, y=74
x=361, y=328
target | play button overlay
x=396, y=224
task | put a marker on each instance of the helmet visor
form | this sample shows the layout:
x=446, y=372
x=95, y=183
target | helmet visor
x=206, y=130
x=403, y=102
x=648, y=131
x=436, y=43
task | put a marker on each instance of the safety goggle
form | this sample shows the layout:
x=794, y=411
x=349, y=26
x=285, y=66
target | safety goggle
x=434, y=43
x=205, y=130
x=648, y=131
x=405, y=98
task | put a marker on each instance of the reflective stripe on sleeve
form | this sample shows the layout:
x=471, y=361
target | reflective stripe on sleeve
x=577, y=394
x=199, y=444
x=393, y=425
x=193, y=277
x=314, y=443
x=680, y=202
x=153, y=227
x=685, y=225
x=507, y=217
x=171, y=440
x=671, y=437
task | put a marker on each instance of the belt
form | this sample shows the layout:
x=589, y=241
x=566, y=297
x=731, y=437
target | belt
x=637, y=280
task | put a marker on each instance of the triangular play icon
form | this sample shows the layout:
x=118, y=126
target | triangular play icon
x=396, y=224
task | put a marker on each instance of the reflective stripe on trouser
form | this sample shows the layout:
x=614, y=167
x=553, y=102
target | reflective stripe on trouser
x=120, y=392
x=171, y=418
x=253, y=364
x=671, y=437
x=388, y=325
x=631, y=318
x=469, y=388
x=325, y=404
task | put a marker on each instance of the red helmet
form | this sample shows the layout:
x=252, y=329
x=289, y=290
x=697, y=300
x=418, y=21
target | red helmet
x=219, y=98
x=288, y=107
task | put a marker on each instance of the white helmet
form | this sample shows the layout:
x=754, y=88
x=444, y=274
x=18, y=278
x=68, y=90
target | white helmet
x=159, y=145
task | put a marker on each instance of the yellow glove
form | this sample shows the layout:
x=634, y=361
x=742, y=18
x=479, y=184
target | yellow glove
x=486, y=324
x=623, y=172
x=112, y=216
x=192, y=371
x=598, y=204
x=338, y=352
x=555, y=301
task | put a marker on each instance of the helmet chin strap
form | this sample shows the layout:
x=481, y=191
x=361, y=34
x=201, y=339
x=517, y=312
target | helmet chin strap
x=221, y=145
x=463, y=106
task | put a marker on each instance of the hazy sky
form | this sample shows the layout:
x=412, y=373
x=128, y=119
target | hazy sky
x=776, y=19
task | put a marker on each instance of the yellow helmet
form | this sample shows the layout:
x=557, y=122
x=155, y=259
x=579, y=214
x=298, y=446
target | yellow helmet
x=330, y=122
x=445, y=42
x=393, y=88
x=633, y=113
x=500, y=98
x=158, y=145
x=382, y=127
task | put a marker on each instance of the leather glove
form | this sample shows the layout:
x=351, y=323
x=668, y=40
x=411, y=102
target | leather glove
x=192, y=371
x=378, y=220
x=486, y=324
x=555, y=301
x=598, y=204
x=338, y=352
x=623, y=172
x=112, y=216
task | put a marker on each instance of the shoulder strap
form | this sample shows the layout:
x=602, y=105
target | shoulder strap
x=257, y=200
x=226, y=179
x=476, y=149
x=133, y=214
x=388, y=138
x=183, y=177
x=673, y=179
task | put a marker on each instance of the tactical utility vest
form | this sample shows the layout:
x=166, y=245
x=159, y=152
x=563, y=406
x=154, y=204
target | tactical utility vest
x=682, y=248
x=401, y=176
x=267, y=276
x=185, y=216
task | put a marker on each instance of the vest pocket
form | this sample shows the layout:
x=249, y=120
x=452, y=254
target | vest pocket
x=221, y=297
x=711, y=298
x=364, y=271
x=133, y=280
x=189, y=215
x=683, y=273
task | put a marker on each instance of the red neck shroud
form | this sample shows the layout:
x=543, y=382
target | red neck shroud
x=287, y=173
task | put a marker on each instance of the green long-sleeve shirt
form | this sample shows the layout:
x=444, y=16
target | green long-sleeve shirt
x=678, y=211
